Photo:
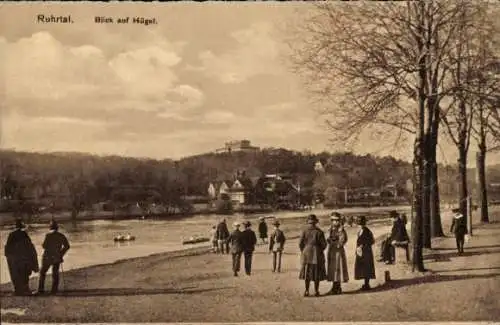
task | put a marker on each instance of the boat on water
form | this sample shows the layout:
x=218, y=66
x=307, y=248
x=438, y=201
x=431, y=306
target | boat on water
x=195, y=240
x=122, y=238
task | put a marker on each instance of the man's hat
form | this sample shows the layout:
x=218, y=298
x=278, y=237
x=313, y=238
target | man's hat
x=361, y=220
x=20, y=224
x=276, y=222
x=312, y=219
x=261, y=218
x=456, y=210
x=335, y=216
x=236, y=224
x=53, y=225
x=394, y=214
x=247, y=223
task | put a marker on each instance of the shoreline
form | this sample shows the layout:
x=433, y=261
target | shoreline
x=205, y=249
x=7, y=219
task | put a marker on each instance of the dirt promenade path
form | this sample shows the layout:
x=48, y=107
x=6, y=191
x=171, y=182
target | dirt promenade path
x=201, y=288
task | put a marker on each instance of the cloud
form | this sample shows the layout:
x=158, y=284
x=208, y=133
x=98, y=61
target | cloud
x=256, y=52
x=49, y=79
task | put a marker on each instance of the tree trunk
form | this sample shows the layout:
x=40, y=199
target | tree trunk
x=463, y=192
x=416, y=229
x=426, y=196
x=482, y=189
x=436, y=228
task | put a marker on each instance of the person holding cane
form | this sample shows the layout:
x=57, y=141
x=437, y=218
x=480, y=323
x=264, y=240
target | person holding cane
x=55, y=246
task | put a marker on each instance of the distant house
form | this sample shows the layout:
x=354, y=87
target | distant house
x=238, y=146
x=318, y=167
x=239, y=190
x=278, y=189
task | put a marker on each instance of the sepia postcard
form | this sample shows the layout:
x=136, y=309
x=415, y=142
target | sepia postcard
x=250, y=162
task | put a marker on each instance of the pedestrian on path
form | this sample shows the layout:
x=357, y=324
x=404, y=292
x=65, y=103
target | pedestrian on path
x=222, y=235
x=248, y=242
x=312, y=244
x=459, y=227
x=22, y=259
x=364, y=265
x=215, y=245
x=55, y=246
x=336, y=258
x=234, y=240
x=276, y=245
x=263, y=230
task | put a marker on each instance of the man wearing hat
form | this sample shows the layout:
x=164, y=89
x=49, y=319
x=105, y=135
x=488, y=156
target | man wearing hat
x=21, y=259
x=55, y=246
x=235, y=241
x=336, y=258
x=312, y=244
x=459, y=227
x=364, y=265
x=276, y=245
x=262, y=229
x=248, y=240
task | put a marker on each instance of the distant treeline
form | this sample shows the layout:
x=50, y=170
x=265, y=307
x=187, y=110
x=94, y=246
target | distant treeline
x=75, y=181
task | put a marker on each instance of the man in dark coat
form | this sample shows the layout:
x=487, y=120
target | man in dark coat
x=312, y=245
x=276, y=245
x=459, y=227
x=364, y=266
x=248, y=241
x=55, y=246
x=263, y=230
x=222, y=234
x=21, y=259
x=235, y=241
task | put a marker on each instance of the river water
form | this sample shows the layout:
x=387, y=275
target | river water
x=92, y=241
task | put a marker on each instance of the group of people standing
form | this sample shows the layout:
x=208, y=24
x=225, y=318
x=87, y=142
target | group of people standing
x=316, y=268
x=242, y=243
x=22, y=258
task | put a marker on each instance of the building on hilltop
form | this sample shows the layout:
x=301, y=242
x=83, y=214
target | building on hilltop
x=238, y=146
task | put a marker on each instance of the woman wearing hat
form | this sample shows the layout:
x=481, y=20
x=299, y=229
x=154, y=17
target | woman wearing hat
x=312, y=244
x=364, y=265
x=21, y=259
x=336, y=259
x=276, y=245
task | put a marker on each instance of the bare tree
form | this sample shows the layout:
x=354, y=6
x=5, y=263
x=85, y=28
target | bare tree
x=385, y=64
x=475, y=90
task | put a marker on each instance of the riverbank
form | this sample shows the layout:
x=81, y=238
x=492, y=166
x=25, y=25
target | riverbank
x=7, y=219
x=165, y=287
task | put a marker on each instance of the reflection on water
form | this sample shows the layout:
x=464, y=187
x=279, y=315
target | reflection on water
x=92, y=241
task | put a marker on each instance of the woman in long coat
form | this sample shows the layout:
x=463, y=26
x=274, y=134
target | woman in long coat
x=336, y=258
x=364, y=265
x=312, y=244
x=22, y=259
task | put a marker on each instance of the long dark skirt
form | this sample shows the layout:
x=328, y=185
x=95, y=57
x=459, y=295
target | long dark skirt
x=313, y=272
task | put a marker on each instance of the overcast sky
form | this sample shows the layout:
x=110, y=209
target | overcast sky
x=204, y=75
